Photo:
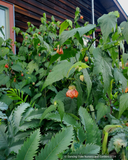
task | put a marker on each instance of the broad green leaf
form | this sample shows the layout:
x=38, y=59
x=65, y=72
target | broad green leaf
x=87, y=80
x=32, y=66
x=93, y=134
x=4, y=51
x=114, y=54
x=102, y=109
x=78, y=64
x=4, y=79
x=102, y=64
x=107, y=23
x=124, y=27
x=61, y=95
x=58, y=73
x=3, y=137
x=29, y=149
x=123, y=103
x=65, y=25
x=29, y=125
x=3, y=106
x=67, y=119
x=81, y=30
x=1, y=41
x=17, y=68
x=125, y=57
x=58, y=144
x=49, y=109
x=120, y=77
x=36, y=97
x=60, y=106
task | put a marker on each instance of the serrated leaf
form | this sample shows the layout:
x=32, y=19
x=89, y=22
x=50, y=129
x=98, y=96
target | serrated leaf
x=35, y=114
x=32, y=66
x=35, y=97
x=67, y=119
x=92, y=131
x=107, y=23
x=16, y=115
x=29, y=149
x=120, y=77
x=124, y=26
x=4, y=79
x=58, y=73
x=3, y=137
x=60, y=106
x=87, y=80
x=49, y=109
x=102, y=64
x=102, y=109
x=61, y=95
x=81, y=30
x=3, y=106
x=123, y=103
x=17, y=68
x=58, y=144
x=4, y=51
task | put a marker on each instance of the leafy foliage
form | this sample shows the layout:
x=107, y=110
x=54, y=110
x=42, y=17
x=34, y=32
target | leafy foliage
x=34, y=82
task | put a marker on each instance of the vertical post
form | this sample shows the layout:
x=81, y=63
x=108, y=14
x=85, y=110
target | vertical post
x=93, y=20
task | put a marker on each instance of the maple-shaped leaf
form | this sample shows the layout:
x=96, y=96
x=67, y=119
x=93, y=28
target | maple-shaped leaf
x=124, y=26
x=107, y=23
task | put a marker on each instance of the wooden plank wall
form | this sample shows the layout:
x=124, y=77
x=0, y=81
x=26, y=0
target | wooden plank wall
x=32, y=11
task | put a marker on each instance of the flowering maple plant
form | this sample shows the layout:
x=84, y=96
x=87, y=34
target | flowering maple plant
x=64, y=91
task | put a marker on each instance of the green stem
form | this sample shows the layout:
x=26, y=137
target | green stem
x=104, y=144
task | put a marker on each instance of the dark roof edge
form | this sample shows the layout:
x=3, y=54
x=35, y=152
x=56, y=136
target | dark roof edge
x=121, y=9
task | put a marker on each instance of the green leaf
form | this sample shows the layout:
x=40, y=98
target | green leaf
x=67, y=119
x=3, y=137
x=49, y=109
x=65, y=25
x=87, y=80
x=81, y=30
x=93, y=134
x=1, y=41
x=29, y=149
x=120, y=77
x=35, y=114
x=32, y=66
x=102, y=109
x=4, y=51
x=17, y=68
x=88, y=149
x=36, y=97
x=102, y=64
x=107, y=23
x=81, y=134
x=123, y=103
x=4, y=79
x=3, y=106
x=61, y=95
x=60, y=106
x=124, y=26
x=58, y=73
x=78, y=64
x=58, y=144
x=16, y=115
